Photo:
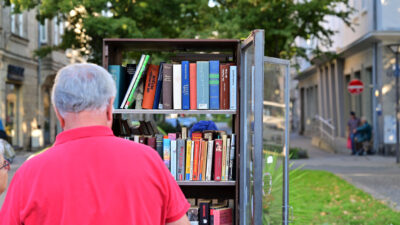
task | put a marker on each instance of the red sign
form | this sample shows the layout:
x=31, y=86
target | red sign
x=355, y=87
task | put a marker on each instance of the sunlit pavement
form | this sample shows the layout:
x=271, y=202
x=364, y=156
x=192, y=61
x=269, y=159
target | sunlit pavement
x=376, y=175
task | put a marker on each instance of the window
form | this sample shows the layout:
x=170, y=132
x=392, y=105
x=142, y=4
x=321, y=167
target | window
x=17, y=22
x=43, y=32
x=58, y=26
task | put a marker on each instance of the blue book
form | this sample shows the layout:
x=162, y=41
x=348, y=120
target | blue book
x=167, y=152
x=185, y=85
x=117, y=72
x=158, y=87
x=203, y=73
x=232, y=86
x=214, y=84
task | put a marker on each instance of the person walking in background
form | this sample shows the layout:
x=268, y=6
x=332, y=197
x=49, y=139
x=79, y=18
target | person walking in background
x=362, y=134
x=3, y=134
x=90, y=176
x=352, y=124
x=4, y=168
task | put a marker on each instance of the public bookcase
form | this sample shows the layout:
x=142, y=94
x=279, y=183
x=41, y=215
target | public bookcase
x=261, y=121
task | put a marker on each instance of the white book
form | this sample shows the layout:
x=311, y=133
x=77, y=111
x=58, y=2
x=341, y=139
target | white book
x=232, y=87
x=173, y=158
x=136, y=138
x=133, y=81
x=191, y=161
x=209, y=159
x=177, y=86
x=227, y=158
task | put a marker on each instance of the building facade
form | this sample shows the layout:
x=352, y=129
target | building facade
x=363, y=54
x=26, y=81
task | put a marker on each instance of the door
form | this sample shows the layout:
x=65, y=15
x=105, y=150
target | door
x=261, y=201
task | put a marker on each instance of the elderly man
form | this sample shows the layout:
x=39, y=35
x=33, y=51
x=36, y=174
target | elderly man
x=90, y=176
x=362, y=134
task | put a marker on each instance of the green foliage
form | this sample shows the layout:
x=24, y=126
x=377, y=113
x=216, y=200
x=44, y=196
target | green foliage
x=320, y=197
x=283, y=21
x=294, y=153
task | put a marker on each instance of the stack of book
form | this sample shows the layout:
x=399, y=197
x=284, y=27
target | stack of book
x=184, y=85
x=210, y=212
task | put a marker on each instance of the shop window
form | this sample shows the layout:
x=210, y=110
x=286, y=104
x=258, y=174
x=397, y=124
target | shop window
x=12, y=123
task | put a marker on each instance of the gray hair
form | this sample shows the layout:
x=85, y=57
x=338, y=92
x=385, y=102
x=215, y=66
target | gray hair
x=81, y=87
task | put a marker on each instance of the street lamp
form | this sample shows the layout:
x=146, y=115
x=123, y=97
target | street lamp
x=395, y=48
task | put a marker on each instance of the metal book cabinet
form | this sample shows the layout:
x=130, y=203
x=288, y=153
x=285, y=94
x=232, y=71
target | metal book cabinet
x=261, y=121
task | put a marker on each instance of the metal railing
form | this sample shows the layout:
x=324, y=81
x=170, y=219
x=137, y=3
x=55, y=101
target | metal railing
x=324, y=129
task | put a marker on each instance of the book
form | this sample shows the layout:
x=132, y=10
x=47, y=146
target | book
x=173, y=158
x=214, y=84
x=172, y=136
x=202, y=82
x=232, y=156
x=185, y=85
x=210, y=150
x=138, y=95
x=184, y=132
x=131, y=84
x=191, y=160
x=232, y=87
x=117, y=73
x=223, y=163
x=204, y=212
x=159, y=145
x=199, y=169
x=188, y=158
x=150, y=86
x=223, y=216
x=227, y=157
x=167, y=152
x=193, y=85
x=197, y=135
x=142, y=140
x=203, y=160
x=167, y=86
x=151, y=141
x=196, y=160
x=217, y=159
x=181, y=159
x=158, y=87
x=177, y=86
x=224, y=86
x=193, y=213
x=136, y=80
x=129, y=73
x=136, y=138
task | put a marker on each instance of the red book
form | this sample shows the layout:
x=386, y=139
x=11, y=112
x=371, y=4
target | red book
x=150, y=87
x=151, y=141
x=193, y=85
x=218, y=159
x=197, y=136
x=224, y=86
x=196, y=160
x=222, y=216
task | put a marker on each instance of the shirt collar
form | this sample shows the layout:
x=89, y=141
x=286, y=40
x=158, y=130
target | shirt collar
x=83, y=132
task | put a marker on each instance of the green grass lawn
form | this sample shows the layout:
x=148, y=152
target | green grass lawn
x=320, y=197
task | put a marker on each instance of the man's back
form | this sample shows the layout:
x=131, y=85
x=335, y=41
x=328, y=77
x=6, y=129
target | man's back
x=93, y=177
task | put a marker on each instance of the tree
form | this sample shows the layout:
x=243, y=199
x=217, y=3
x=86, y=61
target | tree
x=283, y=20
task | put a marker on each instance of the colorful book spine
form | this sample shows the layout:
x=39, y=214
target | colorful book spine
x=210, y=151
x=218, y=159
x=203, y=73
x=193, y=85
x=199, y=169
x=188, y=158
x=129, y=73
x=150, y=87
x=158, y=87
x=232, y=87
x=173, y=158
x=204, y=213
x=203, y=160
x=137, y=70
x=167, y=86
x=142, y=69
x=177, y=86
x=117, y=73
x=159, y=144
x=214, y=84
x=232, y=156
x=181, y=159
x=185, y=85
x=228, y=151
x=196, y=160
x=167, y=152
x=191, y=160
x=223, y=163
x=151, y=142
x=224, y=86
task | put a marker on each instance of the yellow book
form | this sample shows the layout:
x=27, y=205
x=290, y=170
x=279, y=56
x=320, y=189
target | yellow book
x=223, y=174
x=188, y=156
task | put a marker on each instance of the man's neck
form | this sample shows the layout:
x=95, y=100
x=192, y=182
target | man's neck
x=85, y=119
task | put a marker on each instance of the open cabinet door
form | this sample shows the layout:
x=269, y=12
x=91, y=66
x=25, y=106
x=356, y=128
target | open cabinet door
x=275, y=140
x=265, y=135
x=251, y=84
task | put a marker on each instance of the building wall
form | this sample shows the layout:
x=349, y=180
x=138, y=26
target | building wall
x=388, y=15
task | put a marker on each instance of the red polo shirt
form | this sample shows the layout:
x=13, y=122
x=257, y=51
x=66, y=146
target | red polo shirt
x=90, y=176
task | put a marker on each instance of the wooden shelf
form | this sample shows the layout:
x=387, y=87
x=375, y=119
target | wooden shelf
x=207, y=183
x=172, y=111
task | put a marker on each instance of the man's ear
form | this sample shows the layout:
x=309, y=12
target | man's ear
x=60, y=118
x=109, y=112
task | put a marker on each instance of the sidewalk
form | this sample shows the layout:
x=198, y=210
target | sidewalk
x=376, y=175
